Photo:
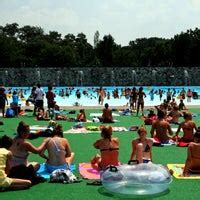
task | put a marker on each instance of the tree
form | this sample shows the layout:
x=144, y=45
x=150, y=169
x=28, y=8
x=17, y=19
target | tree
x=96, y=39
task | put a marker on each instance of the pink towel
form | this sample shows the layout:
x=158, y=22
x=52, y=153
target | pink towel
x=88, y=172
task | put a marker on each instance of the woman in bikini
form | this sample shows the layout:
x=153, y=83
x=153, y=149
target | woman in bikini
x=109, y=148
x=193, y=155
x=21, y=148
x=59, y=152
x=142, y=147
x=188, y=126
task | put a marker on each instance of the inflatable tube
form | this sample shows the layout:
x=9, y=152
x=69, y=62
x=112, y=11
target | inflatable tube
x=141, y=179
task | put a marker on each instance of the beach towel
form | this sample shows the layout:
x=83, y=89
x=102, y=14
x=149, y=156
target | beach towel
x=92, y=129
x=87, y=172
x=37, y=128
x=79, y=130
x=156, y=142
x=119, y=129
x=195, y=115
x=133, y=128
x=178, y=170
x=100, y=114
x=45, y=174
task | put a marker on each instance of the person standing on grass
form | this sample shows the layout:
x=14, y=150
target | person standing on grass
x=3, y=100
x=39, y=99
x=140, y=100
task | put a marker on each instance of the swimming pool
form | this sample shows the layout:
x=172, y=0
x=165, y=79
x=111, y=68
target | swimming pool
x=91, y=98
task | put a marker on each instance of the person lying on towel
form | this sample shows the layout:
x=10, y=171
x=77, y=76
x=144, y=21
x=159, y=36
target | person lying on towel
x=142, y=147
x=192, y=162
x=109, y=148
x=188, y=126
x=161, y=128
x=59, y=152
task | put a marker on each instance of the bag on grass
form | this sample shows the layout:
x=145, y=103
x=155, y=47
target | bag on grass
x=10, y=113
x=63, y=176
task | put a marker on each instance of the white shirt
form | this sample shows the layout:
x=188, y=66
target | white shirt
x=39, y=94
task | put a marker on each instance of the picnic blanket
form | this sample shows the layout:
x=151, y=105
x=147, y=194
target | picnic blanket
x=45, y=174
x=88, y=172
x=178, y=170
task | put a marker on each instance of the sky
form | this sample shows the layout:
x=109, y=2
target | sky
x=125, y=20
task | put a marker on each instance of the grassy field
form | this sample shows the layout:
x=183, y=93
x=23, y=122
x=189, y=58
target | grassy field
x=81, y=144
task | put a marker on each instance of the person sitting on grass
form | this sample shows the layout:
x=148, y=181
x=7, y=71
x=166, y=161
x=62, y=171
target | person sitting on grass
x=81, y=117
x=142, y=147
x=59, y=152
x=161, y=128
x=188, y=126
x=174, y=115
x=107, y=115
x=42, y=115
x=21, y=148
x=5, y=157
x=109, y=148
x=193, y=155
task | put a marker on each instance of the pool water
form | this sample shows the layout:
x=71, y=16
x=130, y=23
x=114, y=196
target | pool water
x=89, y=96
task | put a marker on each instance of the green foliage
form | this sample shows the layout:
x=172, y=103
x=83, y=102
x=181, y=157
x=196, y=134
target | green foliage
x=29, y=46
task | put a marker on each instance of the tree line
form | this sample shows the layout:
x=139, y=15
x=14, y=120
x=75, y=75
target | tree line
x=30, y=46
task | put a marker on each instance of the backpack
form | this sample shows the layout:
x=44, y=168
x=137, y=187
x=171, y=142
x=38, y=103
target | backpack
x=10, y=113
x=63, y=176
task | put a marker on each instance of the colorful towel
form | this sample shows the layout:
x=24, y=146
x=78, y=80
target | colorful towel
x=36, y=128
x=85, y=130
x=45, y=174
x=178, y=170
x=87, y=172
x=156, y=142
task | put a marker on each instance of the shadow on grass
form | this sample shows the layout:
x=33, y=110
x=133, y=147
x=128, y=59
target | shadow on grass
x=106, y=193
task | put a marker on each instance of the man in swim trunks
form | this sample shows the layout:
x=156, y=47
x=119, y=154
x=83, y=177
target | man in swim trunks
x=161, y=128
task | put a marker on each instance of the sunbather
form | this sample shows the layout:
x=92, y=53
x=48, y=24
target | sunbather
x=59, y=152
x=142, y=147
x=193, y=155
x=5, y=156
x=109, y=148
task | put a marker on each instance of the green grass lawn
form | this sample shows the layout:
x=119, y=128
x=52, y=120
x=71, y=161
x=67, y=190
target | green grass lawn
x=81, y=144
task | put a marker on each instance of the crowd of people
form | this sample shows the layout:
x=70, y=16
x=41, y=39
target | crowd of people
x=58, y=154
